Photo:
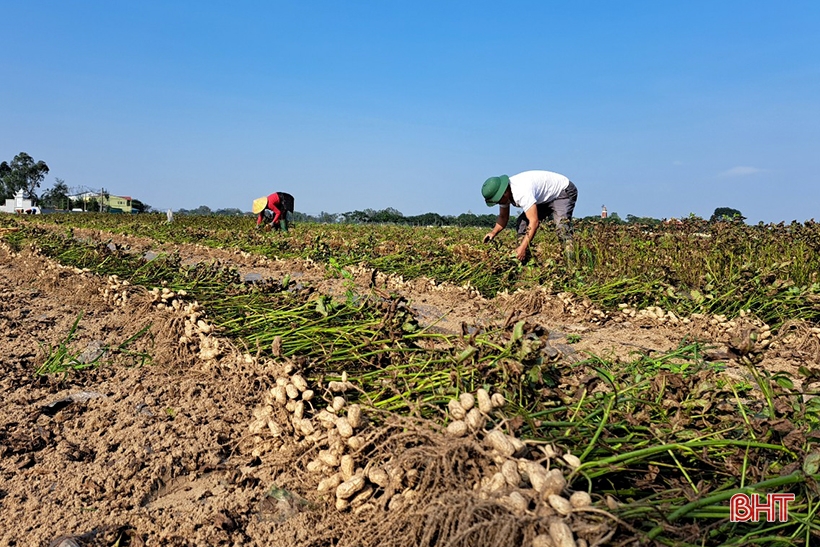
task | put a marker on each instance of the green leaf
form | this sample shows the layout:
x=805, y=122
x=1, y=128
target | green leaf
x=321, y=306
x=811, y=465
x=466, y=354
x=784, y=382
x=534, y=375
x=518, y=331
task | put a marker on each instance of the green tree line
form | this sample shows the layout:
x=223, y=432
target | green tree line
x=23, y=173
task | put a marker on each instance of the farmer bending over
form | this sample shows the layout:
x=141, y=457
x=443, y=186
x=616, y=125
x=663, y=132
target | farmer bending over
x=277, y=206
x=541, y=194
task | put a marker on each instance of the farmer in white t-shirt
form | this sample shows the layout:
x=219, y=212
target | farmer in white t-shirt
x=542, y=195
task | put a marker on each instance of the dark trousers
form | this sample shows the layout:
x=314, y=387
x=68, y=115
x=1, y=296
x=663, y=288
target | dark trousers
x=286, y=201
x=558, y=210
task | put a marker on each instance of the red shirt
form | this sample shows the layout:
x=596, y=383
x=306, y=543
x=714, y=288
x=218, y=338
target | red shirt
x=273, y=205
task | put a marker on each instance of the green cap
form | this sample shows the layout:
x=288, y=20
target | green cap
x=494, y=188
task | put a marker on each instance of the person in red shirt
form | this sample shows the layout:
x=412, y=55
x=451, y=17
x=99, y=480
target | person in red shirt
x=277, y=205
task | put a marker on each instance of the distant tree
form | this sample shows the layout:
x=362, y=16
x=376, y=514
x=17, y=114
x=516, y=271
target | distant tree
x=22, y=174
x=394, y=216
x=56, y=197
x=139, y=206
x=229, y=211
x=327, y=218
x=488, y=221
x=466, y=219
x=76, y=204
x=296, y=216
x=426, y=219
x=388, y=215
x=355, y=217
x=5, y=172
x=92, y=204
x=726, y=214
x=593, y=218
x=201, y=210
x=649, y=221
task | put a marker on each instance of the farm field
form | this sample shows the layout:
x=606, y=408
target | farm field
x=201, y=382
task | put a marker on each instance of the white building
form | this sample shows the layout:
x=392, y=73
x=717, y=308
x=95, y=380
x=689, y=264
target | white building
x=19, y=205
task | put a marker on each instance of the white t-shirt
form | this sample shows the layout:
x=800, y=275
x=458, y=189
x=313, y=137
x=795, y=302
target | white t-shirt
x=534, y=187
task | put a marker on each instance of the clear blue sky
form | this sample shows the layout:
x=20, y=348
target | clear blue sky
x=652, y=108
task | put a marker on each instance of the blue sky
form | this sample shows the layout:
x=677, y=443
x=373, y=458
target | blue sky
x=652, y=108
